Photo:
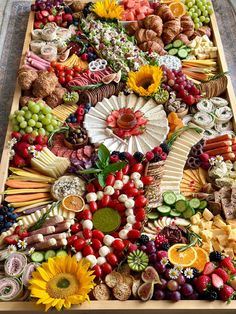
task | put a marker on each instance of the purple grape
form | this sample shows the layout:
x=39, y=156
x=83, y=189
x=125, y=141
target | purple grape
x=42, y=6
x=172, y=285
x=152, y=258
x=163, y=285
x=175, y=296
x=159, y=295
x=143, y=248
x=160, y=268
x=168, y=294
x=193, y=296
x=167, y=274
x=150, y=250
x=181, y=279
x=186, y=289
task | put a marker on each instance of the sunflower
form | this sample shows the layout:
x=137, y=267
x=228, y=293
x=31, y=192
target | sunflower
x=108, y=9
x=61, y=282
x=146, y=81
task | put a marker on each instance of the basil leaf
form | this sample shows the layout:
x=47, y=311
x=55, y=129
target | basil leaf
x=99, y=164
x=101, y=180
x=91, y=170
x=103, y=155
x=113, y=168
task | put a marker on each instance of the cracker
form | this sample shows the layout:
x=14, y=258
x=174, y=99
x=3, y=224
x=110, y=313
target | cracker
x=122, y=292
x=128, y=279
x=113, y=279
x=101, y=292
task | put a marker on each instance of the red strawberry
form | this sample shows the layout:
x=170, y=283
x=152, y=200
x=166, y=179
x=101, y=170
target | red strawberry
x=12, y=239
x=227, y=293
x=38, y=147
x=58, y=19
x=18, y=161
x=28, y=138
x=209, y=268
x=16, y=135
x=51, y=18
x=45, y=13
x=38, y=16
x=38, y=25
x=68, y=17
x=201, y=283
x=20, y=147
x=25, y=153
x=217, y=281
x=222, y=273
x=39, y=140
x=227, y=263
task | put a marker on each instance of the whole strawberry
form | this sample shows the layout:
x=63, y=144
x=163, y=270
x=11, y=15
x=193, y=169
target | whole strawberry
x=201, y=283
x=222, y=274
x=227, y=293
x=228, y=264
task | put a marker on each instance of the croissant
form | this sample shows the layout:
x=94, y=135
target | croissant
x=133, y=27
x=142, y=35
x=183, y=38
x=171, y=29
x=165, y=13
x=152, y=46
x=187, y=25
x=159, y=41
x=154, y=23
x=204, y=30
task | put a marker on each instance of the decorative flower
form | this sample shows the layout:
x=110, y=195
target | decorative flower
x=164, y=261
x=11, y=143
x=36, y=154
x=146, y=81
x=188, y=273
x=174, y=273
x=22, y=244
x=31, y=251
x=11, y=248
x=31, y=148
x=108, y=9
x=11, y=153
x=212, y=161
x=179, y=268
x=61, y=282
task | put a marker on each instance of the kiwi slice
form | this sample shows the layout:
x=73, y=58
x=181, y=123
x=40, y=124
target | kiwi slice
x=106, y=220
x=137, y=260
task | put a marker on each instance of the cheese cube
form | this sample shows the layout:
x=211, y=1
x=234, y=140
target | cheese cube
x=232, y=235
x=207, y=246
x=206, y=235
x=216, y=245
x=223, y=239
x=207, y=214
x=227, y=229
x=208, y=225
x=220, y=223
x=217, y=232
x=195, y=229
x=229, y=252
x=196, y=219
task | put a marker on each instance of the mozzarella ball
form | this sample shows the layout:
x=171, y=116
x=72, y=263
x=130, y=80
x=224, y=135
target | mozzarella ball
x=101, y=260
x=122, y=198
x=109, y=190
x=128, y=226
x=108, y=239
x=138, y=184
x=129, y=203
x=87, y=224
x=131, y=219
x=92, y=259
x=123, y=234
x=100, y=195
x=91, y=197
x=135, y=176
x=78, y=256
x=125, y=179
x=129, y=211
x=118, y=185
x=104, y=250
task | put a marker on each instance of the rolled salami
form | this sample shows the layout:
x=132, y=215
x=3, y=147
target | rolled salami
x=15, y=264
x=10, y=289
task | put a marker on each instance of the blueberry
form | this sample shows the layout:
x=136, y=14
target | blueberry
x=8, y=224
x=14, y=216
x=88, y=105
x=3, y=230
x=1, y=218
x=11, y=209
x=68, y=120
x=76, y=23
x=74, y=119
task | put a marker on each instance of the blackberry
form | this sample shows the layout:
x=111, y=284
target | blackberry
x=211, y=295
x=123, y=156
x=138, y=156
x=195, y=272
x=165, y=148
x=144, y=239
x=215, y=256
x=156, y=158
x=165, y=246
x=115, y=152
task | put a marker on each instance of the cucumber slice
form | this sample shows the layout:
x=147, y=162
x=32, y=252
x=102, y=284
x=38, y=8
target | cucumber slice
x=37, y=257
x=173, y=51
x=49, y=253
x=182, y=53
x=168, y=47
x=194, y=203
x=189, y=50
x=180, y=197
x=152, y=215
x=184, y=47
x=203, y=205
x=169, y=198
x=181, y=206
x=188, y=213
x=177, y=43
x=173, y=213
x=164, y=209
x=61, y=253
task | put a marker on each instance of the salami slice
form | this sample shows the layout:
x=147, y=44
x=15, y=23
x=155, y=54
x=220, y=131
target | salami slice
x=74, y=154
x=61, y=151
x=68, y=153
x=79, y=153
x=88, y=151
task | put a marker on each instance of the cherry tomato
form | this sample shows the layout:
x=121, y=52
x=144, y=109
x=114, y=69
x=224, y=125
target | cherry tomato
x=137, y=225
x=137, y=168
x=140, y=214
x=86, y=214
x=93, y=206
x=147, y=180
x=97, y=271
x=62, y=80
x=110, y=180
x=119, y=175
x=125, y=170
x=87, y=233
x=59, y=67
x=116, y=194
x=98, y=186
x=96, y=244
x=112, y=259
x=97, y=234
x=131, y=192
x=90, y=187
x=120, y=207
x=106, y=268
x=53, y=64
x=61, y=73
x=105, y=200
x=118, y=245
x=129, y=185
x=76, y=74
x=140, y=201
x=72, y=239
x=69, y=72
x=79, y=244
x=88, y=250
x=51, y=69
x=77, y=68
x=76, y=227
x=69, y=78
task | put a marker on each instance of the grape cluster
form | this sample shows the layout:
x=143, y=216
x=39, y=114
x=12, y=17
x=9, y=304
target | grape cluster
x=42, y=5
x=35, y=119
x=199, y=10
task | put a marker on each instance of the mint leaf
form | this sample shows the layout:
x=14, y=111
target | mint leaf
x=113, y=168
x=103, y=155
x=102, y=180
x=91, y=170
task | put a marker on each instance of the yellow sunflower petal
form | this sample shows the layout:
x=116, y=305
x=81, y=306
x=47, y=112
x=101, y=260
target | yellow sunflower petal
x=47, y=307
x=40, y=283
x=59, y=304
x=67, y=304
x=44, y=274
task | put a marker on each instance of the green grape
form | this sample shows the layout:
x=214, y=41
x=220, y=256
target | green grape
x=49, y=128
x=31, y=104
x=41, y=116
x=194, y=7
x=202, y=18
x=23, y=125
x=49, y=116
x=54, y=122
x=203, y=2
x=47, y=133
x=35, y=133
x=20, y=119
x=41, y=104
x=28, y=115
x=21, y=113
x=197, y=26
x=192, y=10
x=12, y=116
x=35, y=117
x=31, y=122
x=42, y=131
x=199, y=12
x=207, y=20
x=22, y=132
x=25, y=108
x=28, y=129
x=35, y=109
x=46, y=109
x=38, y=125
x=16, y=128
x=200, y=24
x=45, y=121
x=205, y=13
x=189, y=13
x=14, y=121
x=190, y=4
x=194, y=15
x=196, y=20
x=210, y=10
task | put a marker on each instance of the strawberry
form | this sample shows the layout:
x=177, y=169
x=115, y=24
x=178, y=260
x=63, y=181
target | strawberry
x=228, y=264
x=227, y=293
x=68, y=17
x=25, y=153
x=38, y=147
x=58, y=19
x=12, y=239
x=39, y=139
x=20, y=147
x=51, y=18
x=18, y=161
x=28, y=138
x=217, y=281
x=202, y=282
x=38, y=16
x=16, y=135
x=222, y=273
x=209, y=268
x=45, y=13
x=38, y=25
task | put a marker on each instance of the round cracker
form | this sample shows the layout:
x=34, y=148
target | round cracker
x=122, y=292
x=113, y=279
x=101, y=292
x=128, y=279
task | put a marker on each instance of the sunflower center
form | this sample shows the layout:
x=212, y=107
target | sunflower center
x=62, y=286
x=145, y=82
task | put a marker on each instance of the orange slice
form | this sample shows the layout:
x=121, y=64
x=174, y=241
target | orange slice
x=185, y=258
x=74, y=203
x=169, y=1
x=202, y=258
x=177, y=8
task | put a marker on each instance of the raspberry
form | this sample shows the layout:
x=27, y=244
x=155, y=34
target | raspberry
x=160, y=239
x=114, y=158
x=157, y=150
x=149, y=156
x=165, y=148
x=163, y=156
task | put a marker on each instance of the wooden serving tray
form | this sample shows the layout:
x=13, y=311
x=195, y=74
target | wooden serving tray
x=113, y=306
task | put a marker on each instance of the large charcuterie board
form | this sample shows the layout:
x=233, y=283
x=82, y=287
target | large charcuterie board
x=93, y=124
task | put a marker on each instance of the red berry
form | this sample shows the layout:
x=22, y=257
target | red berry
x=87, y=215
x=88, y=250
x=84, y=56
x=140, y=201
x=96, y=244
x=79, y=244
x=118, y=245
x=133, y=234
x=93, y=206
x=217, y=281
x=120, y=207
x=228, y=264
x=97, y=271
x=114, y=158
x=18, y=161
x=140, y=214
x=105, y=200
x=129, y=185
x=137, y=225
x=149, y=156
x=76, y=227
x=201, y=283
x=204, y=157
x=87, y=233
x=147, y=180
x=90, y=187
x=209, y=268
x=106, y=268
x=97, y=234
x=131, y=192
x=137, y=168
x=110, y=180
x=125, y=170
x=112, y=259
x=119, y=175
x=226, y=293
x=72, y=239
x=157, y=150
x=222, y=273
x=163, y=156
x=116, y=194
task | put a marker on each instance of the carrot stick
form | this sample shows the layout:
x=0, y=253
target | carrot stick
x=25, y=185
x=224, y=137
x=229, y=156
x=219, y=151
x=217, y=145
x=25, y=198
